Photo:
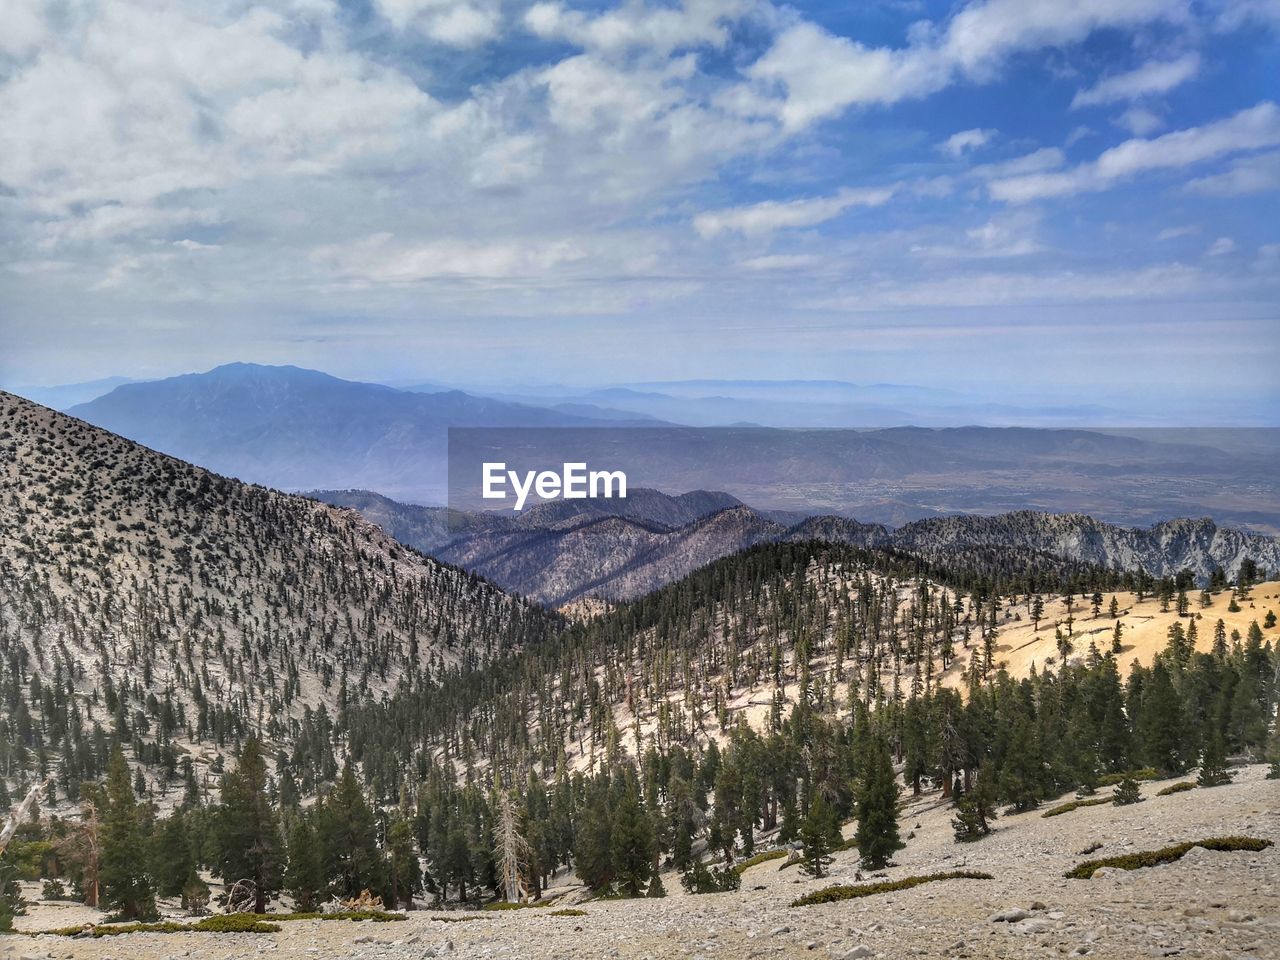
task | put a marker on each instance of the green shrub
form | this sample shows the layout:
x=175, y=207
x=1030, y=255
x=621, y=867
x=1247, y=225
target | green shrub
x=1180, y=787
x=568, y=912
x=1068, y=807
x=717, y=880
x=759, y=858
x=1154, y=858
x=1111, y=779
x=222, y=923
x=846, y=892
x=507, y=905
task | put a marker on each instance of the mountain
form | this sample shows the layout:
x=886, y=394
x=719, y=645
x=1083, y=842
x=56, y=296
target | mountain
x=1162, y=550
x=197, y=607
x=620, y=549
x=68, y=395
x=294, y=429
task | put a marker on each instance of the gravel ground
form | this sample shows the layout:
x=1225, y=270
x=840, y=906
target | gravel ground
x=1214, y=905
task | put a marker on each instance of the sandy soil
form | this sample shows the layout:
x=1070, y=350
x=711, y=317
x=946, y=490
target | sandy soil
x=1212, y=905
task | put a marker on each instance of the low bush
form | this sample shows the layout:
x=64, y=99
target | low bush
x=846, y=892
x=759, y=858
x=1111, y=779
x=1181, y=787
x=1154, y=858
x=221, y=923
x=507, y=905
x=717, y=880
x=567, y=912
x=1068, y=807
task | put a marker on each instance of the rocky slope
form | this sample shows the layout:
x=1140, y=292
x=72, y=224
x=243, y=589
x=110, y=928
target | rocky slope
x=1205, y=905
x=1161, y=550
x=188, y=603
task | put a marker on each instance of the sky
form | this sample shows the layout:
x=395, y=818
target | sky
x=1074, y=201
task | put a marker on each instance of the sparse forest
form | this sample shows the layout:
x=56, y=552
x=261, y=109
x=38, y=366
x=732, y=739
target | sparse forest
x=222, y=681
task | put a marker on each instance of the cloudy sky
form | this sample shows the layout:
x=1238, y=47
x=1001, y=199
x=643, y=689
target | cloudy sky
x=1045, y=198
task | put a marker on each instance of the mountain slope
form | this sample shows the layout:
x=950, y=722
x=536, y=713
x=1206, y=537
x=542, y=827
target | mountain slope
x=196, y=608
x=1162, y=550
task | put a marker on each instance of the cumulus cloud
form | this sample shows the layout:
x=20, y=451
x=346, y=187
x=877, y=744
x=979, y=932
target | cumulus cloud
x=810, y=74
x=456, y=23
x=758, y=219
x=1153, y=77
x=1251, y=129
x=660, y=29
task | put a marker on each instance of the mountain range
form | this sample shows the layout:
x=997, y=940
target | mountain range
x=617, y=550
x=296, y=429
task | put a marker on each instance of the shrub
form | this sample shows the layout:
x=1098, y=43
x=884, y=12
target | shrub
x=1068, y=807
x=1154, y=858
x=53, y=890
x=1127, y=793
x=568, y=912
x=1180, y=787
x=847, y=892
x=759, y=858
x=1146, y=773
x=717, y=880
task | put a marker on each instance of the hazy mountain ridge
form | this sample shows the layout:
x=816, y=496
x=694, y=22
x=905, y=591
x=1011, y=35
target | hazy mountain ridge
x=561, y=551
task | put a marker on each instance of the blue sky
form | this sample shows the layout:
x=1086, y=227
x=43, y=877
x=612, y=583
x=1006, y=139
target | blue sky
x=1027, y=198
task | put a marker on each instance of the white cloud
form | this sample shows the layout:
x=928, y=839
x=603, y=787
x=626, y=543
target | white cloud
x=660, y=29
x=961, y=143
x=997, y=289
x=1175, y=233
x=382, y=259
x=809, y=74
x=1251, y=129
x=1221, y=247
x=1140, y=121
x=763, y=218
x=1153, y=77
x=456, y=23
x=1046, y=158
x=1256, y=174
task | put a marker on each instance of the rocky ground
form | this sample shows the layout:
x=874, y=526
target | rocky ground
x=1213, y=905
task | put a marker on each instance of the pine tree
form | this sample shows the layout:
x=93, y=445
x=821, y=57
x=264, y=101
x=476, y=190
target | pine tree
x=247, y=830
x=126, y=887
x=171, y=857
x=819, y=833
x=349, y=838
x=592, y=850
x=877, y=806
x=631, y=843
x=1127, y=792
x=304, y=875
x=1162, y=722
x=1213, y=764
x=975, y=810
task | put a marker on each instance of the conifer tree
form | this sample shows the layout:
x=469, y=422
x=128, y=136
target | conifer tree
x=1127, y=792
x=304, y=875
x=247, y=829
x=877, y=806
x=820, y=833
x=349, y=838
x=631, y=843
x=1213, y=764
x=126, y=886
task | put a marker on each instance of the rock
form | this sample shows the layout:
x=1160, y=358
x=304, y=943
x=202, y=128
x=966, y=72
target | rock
x=858, y=952
x=1034, y=925
x=1038, y=905
x=1011, y=915
x=365, y=938
x=779, y=931
x=1113, y=873
x=1239, y=916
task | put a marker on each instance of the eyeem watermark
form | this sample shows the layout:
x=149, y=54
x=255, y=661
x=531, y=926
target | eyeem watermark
x=573, y=482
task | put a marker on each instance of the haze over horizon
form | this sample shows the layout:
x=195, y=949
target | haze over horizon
x=1075, y=201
